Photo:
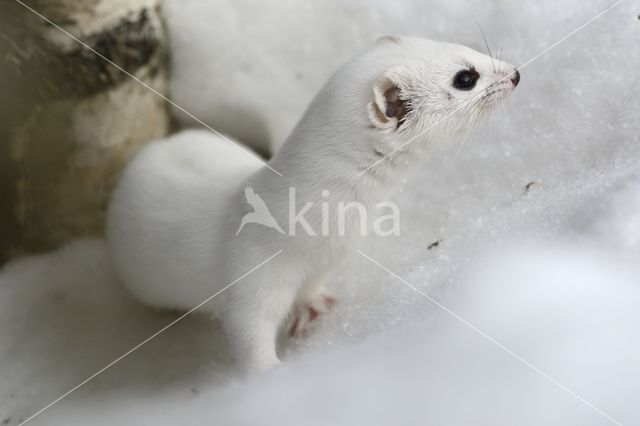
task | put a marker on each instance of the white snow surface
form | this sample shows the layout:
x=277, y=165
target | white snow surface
x=537, y=291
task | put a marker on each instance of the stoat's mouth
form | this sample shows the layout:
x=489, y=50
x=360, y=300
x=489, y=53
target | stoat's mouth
x=497, y=92
x=494, y=95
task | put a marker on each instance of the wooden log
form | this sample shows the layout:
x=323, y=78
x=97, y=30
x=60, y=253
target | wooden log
x=69, y=120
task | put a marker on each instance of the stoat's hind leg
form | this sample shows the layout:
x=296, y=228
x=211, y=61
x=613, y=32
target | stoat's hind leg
x=312, y=300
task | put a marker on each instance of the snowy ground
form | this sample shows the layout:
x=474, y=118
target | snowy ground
x=551, y=272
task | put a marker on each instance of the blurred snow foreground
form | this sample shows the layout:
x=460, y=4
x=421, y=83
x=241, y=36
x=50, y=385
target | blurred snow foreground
x=537, y=221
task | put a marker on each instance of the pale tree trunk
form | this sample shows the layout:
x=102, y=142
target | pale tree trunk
x=68, y=119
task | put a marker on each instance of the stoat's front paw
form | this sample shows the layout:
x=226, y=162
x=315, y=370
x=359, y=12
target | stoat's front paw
x=260, y=365
x=307, y=309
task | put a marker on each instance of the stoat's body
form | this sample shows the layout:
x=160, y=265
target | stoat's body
x=174, y=216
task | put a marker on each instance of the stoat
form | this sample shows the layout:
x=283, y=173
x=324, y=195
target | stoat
x=177, y=224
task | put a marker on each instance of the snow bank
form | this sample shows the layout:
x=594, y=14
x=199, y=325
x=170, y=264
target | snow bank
x=569, y=311
x=537, y=218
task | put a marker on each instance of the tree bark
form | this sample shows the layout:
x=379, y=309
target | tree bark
x=70, y=120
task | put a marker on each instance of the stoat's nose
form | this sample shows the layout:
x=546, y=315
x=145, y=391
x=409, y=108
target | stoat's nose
x=515, y=79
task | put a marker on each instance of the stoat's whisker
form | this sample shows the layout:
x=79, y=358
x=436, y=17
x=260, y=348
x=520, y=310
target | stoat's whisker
x=484, y=38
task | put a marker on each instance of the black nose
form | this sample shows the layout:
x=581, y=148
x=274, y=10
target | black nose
x=516, y=78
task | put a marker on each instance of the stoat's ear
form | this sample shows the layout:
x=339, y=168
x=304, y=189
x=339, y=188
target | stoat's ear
x=390, y=105
x=389, y=39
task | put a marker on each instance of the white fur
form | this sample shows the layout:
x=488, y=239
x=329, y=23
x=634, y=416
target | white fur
x=174, y=215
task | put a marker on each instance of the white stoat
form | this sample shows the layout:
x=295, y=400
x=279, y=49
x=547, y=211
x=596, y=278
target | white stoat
x=174, y=216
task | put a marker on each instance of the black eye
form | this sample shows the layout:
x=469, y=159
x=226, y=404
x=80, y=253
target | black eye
x=466, y=79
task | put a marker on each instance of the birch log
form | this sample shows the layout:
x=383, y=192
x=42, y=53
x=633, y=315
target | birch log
x=68, y=119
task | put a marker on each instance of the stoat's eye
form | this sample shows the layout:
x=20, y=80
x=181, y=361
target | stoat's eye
x=466, y=79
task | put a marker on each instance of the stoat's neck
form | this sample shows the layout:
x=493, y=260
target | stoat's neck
x=350, y=169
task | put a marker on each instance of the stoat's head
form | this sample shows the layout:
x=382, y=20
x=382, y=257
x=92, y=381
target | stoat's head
x=423, y=86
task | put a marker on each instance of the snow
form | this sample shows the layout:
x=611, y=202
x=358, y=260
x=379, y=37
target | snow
x=549, y=272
